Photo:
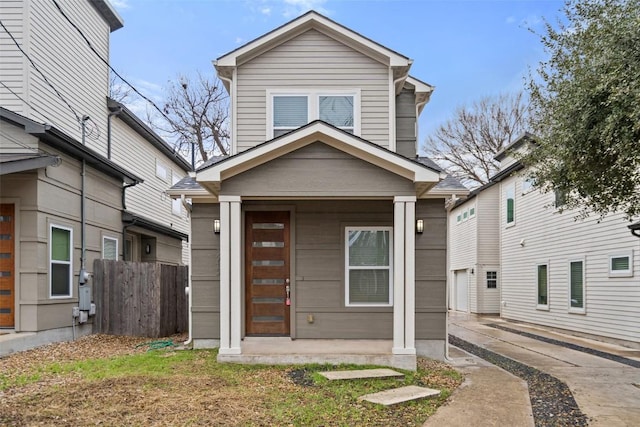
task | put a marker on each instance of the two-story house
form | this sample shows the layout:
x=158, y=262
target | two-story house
x=323, y=224
x=580, y=275
x=81, y=177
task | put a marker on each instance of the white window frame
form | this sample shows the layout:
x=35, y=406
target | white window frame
x=162, y=171
x=486, y=275
x=527, y=185
x=459, y=218
x=538, y=305
x=52, y=261
x=472, y=212
x=176, y=204
x=621, y=273
x=348, y=268
x=113, y=239
x=580, y=310
x=465, y=215
x=313, y=101
x=510, y=189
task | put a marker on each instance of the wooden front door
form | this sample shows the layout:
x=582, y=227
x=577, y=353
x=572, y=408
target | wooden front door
x=7, y=266
x=267, y=253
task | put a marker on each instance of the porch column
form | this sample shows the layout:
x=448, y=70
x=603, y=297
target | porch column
x=230, y=274
x=404, y=213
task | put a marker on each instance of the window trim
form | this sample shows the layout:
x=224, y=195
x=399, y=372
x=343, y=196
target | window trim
x=472, y=212
x=313, y=101
x=509, y=189
x=465, y=215
x=579, y=310
x=52, y=261
x=486, y=276
x=161, y=166
x=621, y=273
x=348, y=268
x=538, y=305
x=115, y=239
x=459, y=218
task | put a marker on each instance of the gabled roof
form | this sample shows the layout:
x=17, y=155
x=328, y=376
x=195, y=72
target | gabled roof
x=423, y=176
x=517, y=143
x=147, y=133
x=63, y=142
x=422, y=90
x=318, y=22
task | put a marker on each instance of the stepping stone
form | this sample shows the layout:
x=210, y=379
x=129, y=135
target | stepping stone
x=363, y=373
x=399, y=395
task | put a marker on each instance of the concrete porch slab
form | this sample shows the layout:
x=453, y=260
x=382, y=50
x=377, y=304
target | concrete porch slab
x=361, y=373
x=399, y=395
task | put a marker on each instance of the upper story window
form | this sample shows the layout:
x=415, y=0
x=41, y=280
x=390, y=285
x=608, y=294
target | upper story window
x=293, y=109
x=510, y=205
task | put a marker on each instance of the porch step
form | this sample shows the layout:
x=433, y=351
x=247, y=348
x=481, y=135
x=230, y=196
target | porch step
x=362, y=373
x=399, y=395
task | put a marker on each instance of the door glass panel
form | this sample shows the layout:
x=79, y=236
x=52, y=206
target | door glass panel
x=5, y=274
x=268, y=244
x=268, y=281
x=267, y=263
x=268, y=226
x=5, y=255
x=5, y=292
x=268, y=300
x=5, y=218
x=5, y=236
x=268, y=318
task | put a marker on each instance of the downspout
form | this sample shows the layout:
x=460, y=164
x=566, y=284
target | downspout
x=233, y=135
x=188, y=288
x=448, y=208
x=111, y=114
x=393, y=116
x=83, y=276
x=124, y=208
x=419, y=105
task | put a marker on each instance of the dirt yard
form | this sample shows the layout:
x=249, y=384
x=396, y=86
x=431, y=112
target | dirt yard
x=86, y=382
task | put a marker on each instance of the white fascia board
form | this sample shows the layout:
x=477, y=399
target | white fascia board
x=318, y=22
x=421, y=87
x=326, y=134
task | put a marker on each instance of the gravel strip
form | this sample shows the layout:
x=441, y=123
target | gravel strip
x=592, y=351
x=551, y=400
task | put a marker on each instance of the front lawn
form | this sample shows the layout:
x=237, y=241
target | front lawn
x=169, y=387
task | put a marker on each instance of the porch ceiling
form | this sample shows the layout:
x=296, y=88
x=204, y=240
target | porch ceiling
x=423, y=177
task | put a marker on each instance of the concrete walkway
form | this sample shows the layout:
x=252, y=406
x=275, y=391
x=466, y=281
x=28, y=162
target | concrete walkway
x=607, y=392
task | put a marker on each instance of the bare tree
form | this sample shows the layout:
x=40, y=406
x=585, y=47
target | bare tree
x=117, y=90
x=196, y=113
x=467, y=143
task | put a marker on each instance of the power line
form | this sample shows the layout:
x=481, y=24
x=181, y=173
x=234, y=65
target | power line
x=23, y=100
x=40, y=72
x=109, y=65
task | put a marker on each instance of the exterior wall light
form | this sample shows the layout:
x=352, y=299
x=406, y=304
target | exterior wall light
x=419, y=226
x=216, y=226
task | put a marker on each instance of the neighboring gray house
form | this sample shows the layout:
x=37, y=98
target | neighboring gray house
x=323, y=223
x=578, y=275
x=68, y=199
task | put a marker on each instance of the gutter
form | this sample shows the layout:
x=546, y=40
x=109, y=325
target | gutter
x=187, y=290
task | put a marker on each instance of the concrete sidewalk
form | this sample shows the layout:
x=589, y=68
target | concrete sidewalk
x=489, y=396
x=607, y=392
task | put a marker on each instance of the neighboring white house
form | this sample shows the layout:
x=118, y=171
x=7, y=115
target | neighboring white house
x=474, y=258
x=579, y=275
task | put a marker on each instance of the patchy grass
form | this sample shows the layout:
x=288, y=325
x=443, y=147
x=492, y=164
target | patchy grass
x=167, y=387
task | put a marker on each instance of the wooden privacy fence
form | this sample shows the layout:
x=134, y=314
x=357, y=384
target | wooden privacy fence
x=139, y=298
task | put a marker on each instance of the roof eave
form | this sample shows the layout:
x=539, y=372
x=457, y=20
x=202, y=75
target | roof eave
x=109, y=14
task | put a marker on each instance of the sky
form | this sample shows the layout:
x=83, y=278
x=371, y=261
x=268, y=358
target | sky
x=467, y=49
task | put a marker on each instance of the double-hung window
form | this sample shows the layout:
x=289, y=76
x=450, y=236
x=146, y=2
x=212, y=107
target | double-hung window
x=492, y=279
x=543, y=286
x=576, y=286
x=60, y=257
x=290, y=110
x=368, y=261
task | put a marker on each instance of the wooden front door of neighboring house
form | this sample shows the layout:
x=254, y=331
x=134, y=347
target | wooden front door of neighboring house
x=267, y=273
x=7, y=266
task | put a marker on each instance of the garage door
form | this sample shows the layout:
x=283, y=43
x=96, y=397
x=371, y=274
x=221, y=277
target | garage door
x=462, y=291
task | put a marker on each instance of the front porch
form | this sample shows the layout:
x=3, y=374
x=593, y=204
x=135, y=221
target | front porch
x=286, y=351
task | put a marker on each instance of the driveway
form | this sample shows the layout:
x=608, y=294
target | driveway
x=607, y=391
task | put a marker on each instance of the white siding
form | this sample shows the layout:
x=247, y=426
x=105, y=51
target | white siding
x=148, y=199
x=488, y=248
x=311, y=60
x=463, y=247
x=543, y=235
x=12, y=62
x=73, y=69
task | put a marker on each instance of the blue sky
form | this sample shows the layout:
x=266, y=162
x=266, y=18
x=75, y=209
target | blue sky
x=467, y=49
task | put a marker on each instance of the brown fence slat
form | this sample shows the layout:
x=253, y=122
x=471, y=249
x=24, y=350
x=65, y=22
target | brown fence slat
x=140, y=299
